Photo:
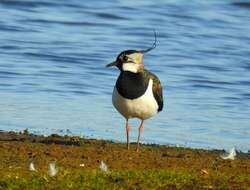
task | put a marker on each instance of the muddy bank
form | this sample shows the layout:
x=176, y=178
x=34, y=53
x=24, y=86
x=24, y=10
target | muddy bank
x=17, y=150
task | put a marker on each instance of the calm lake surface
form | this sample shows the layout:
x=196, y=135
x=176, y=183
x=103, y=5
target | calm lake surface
x=53, y=77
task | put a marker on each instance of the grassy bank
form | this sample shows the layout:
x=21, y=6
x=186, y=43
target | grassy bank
x=78, y=160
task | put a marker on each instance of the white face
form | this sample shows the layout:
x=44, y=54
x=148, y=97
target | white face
x=131, y=67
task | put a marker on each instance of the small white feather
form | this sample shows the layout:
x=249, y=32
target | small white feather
x=32, y=167
x=103, y=167
x=230, y=155
x=52, y=169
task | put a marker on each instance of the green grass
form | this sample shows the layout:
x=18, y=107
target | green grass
x=155, y=167
x=95, y=179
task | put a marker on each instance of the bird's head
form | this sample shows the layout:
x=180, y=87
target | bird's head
x=131, y=60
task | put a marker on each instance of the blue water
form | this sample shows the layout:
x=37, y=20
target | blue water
x=53, y=77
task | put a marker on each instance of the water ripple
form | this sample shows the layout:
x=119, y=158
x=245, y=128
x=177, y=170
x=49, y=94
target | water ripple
x=242, y=4
x=26, y=4
x=67, y=23
x=53, y=56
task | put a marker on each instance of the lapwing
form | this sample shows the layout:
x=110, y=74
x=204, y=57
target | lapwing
x=137, y=92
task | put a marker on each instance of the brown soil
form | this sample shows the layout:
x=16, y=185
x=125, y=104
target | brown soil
x=18, y=150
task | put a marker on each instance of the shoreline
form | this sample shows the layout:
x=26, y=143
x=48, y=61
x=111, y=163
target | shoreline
x=66, y=136
x=168, y=167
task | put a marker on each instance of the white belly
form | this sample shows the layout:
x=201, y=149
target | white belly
x=143, y=107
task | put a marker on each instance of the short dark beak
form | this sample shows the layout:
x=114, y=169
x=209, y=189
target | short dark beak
x=111, y=64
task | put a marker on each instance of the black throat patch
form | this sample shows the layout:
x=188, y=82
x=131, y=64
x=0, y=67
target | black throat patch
x=131, y=85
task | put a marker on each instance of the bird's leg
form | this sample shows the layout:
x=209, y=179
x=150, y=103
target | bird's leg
x=139, y=135
x=127, y=131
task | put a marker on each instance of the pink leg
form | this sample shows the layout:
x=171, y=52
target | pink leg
x=140, y=131
x=127, y=131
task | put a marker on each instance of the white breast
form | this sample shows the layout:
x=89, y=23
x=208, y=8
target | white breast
x=143, y=107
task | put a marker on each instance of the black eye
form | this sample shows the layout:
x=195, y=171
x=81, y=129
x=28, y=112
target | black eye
x=125, y=58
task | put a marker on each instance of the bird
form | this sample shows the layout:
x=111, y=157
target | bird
x=137, y=92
